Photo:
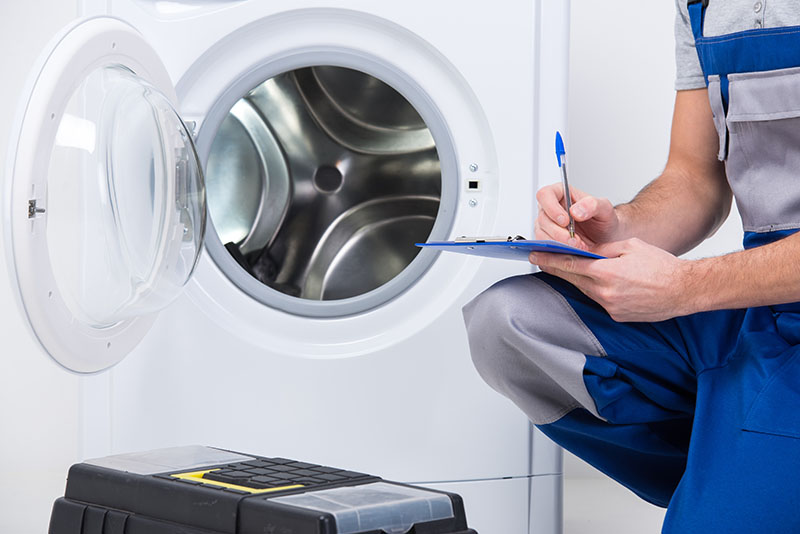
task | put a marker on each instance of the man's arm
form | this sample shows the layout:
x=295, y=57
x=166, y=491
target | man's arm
x=676, y=211
x=691, y=198
x=642, y=280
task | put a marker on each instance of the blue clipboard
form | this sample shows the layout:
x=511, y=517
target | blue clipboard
x=510, y=250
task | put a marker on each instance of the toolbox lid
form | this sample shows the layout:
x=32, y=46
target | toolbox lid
x=378, y=506
x=168, y=459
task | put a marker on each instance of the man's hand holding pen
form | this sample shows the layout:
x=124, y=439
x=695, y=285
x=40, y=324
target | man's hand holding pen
x=638, y=281
x=596, y=219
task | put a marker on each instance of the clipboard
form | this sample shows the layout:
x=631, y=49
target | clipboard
x=509, y=248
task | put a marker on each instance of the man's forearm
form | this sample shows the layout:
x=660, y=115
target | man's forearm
x=761, y=276
x=641, y=282
x=691, y=198
x=676, y=212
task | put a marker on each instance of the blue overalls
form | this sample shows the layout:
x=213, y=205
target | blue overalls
x=701, y=413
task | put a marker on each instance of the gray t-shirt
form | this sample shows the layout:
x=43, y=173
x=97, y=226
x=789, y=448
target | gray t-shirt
x=722, y=17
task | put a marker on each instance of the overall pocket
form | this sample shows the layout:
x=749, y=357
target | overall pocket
x=776, y=408
x=763, y=157
x=718, y=113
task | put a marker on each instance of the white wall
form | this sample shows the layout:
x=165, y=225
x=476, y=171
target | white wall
x=38, y=400
x=621, y=95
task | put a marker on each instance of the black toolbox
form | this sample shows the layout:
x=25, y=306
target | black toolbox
x=203, y=490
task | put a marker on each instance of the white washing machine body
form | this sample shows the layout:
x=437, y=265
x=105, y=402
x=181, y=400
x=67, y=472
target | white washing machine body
x=382, y=384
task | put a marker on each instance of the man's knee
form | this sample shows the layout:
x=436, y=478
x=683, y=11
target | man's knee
x=495, y=321
x=528, y=344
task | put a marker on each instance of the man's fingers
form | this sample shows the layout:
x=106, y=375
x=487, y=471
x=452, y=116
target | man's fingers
x=592, y=208
x=566, y=263
x=584, y=283
x=553, y=231
x=550, y=199
x=542, y=234
x=615, y=249
x=547, y=229
x=584, y=209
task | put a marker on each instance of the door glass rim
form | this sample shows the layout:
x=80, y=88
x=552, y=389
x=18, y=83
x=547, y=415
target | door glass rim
x=434, y=120
x=74, y=51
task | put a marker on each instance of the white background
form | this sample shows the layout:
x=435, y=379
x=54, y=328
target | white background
x=620, y=97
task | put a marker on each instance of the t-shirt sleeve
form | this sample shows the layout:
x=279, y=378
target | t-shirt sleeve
x=689, y=75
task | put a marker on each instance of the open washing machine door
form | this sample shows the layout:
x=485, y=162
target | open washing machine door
x=104, y=202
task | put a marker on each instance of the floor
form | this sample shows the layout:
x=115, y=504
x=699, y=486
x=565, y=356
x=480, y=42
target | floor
x=595, y=504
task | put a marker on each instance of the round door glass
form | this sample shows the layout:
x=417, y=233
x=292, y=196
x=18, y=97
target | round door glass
x=320, y=182
x=125, y=200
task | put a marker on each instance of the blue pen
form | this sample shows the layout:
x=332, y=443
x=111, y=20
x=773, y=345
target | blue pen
x=561, y=156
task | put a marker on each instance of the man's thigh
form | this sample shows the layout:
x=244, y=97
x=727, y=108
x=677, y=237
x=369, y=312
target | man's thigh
x=619, y=395
x=744, y=460
x=547, y=346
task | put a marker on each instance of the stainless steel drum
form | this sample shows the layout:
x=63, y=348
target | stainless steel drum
x=320, y=181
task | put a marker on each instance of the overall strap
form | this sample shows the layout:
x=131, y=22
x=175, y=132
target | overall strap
x=756, y=50
x=697, y=16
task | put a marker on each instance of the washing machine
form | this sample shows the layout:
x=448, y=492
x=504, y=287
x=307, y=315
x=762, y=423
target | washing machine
x=210, y=215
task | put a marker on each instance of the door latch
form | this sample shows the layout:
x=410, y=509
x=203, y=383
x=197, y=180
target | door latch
x=33, y=209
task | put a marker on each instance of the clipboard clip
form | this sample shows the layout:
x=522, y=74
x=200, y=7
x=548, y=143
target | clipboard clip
x=493, y=239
